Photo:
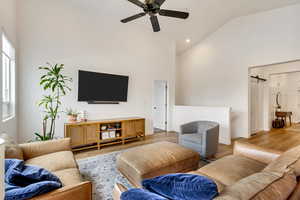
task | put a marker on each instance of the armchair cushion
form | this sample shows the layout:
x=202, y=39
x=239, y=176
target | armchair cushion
x=182, y=186
x=54, y=161
x=194, y=138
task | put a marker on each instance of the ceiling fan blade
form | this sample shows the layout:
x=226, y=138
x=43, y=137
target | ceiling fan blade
x=138, y=3
x=133, y=17
x=160, y=2
x=173, y=13
x=155, y=23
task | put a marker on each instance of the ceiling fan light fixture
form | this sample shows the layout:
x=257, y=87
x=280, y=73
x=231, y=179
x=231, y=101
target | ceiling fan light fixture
x=153, y=9
x=188, y=40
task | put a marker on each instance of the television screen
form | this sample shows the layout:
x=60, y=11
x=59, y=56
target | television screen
x=102, y=87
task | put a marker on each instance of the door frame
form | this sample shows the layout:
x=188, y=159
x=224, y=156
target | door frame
x=166, y=107
x=267, y=117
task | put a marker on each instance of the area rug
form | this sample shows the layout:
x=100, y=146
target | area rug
x=102, y=172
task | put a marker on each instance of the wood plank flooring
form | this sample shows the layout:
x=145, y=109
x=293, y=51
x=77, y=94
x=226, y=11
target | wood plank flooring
x=279, y=139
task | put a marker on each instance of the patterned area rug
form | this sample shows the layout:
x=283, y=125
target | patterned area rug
x=102, y=171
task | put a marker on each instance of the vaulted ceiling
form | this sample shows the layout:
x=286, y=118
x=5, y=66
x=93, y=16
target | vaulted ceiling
x=206, y=16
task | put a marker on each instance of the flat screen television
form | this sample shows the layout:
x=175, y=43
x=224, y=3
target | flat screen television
x=99, y=87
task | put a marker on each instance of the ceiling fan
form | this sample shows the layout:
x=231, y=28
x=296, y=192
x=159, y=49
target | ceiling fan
x=152, y=8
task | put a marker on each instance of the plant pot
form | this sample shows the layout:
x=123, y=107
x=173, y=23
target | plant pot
x=72, y=118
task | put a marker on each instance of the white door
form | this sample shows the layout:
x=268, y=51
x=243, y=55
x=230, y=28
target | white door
x=256, y=106
x=160, y=105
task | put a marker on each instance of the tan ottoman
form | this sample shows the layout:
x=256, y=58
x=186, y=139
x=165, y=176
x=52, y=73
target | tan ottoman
x=156, y=159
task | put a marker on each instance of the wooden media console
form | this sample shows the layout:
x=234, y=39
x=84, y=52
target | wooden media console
x=92, y=134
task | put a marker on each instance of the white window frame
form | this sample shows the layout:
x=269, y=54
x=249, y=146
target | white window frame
x=8, y=104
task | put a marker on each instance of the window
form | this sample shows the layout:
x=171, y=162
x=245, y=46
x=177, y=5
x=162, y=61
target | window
x=8, y=79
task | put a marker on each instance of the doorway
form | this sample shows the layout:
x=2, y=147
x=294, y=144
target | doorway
x=274, y=94
x=160, y=106
x=257, y=105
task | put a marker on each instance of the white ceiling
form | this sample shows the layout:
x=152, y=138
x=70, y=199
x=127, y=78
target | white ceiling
x=206, y=16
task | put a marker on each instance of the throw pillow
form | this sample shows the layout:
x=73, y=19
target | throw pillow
x=12, y=149
x=182, y=186
x=261, y=186
x=288, y=160
x=140, y=194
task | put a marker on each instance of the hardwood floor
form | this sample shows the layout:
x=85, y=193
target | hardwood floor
x=279, y=139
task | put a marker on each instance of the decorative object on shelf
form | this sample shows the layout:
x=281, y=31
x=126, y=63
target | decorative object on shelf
x=118, y=125
x=55, y=85
x=83, y=117
x=112, y=134
x=105, y=135
x=278, y=107
x=72, y=115
x=103, y=127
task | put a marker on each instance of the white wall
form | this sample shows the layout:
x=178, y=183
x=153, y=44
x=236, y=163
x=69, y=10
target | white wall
x=8, y=25
x=59, y=31
x=221, y=115
x=215, y=72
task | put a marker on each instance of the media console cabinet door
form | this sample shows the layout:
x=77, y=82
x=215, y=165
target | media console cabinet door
x=92, y=135
x=77, y=135
x=140, y=127
x=128, y=129
x=133, y=128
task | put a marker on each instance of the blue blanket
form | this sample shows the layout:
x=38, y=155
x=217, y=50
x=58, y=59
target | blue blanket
x=24, y=181
x=174, y=187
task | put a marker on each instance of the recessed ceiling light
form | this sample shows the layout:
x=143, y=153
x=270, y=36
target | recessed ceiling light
x=188, y=40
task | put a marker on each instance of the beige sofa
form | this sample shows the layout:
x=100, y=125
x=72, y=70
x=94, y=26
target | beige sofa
x=56, y=156
x=253, y=173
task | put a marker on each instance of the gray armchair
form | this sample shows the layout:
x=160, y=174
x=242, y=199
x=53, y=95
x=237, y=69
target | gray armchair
x=201, y=136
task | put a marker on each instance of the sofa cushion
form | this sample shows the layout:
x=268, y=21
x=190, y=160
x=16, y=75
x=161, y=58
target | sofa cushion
x=35, y=149
x=69, y=176
x=231, y=169
x=261, y=186
x=54, y=161
x=220, y=185
x=12, y=149
x=288, y=160
x=278, y=190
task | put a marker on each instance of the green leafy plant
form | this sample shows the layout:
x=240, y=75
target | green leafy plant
x=55, y=85
x=71, y=112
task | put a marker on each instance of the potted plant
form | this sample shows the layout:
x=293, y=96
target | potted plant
x=72, y=115
x=55, y=85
